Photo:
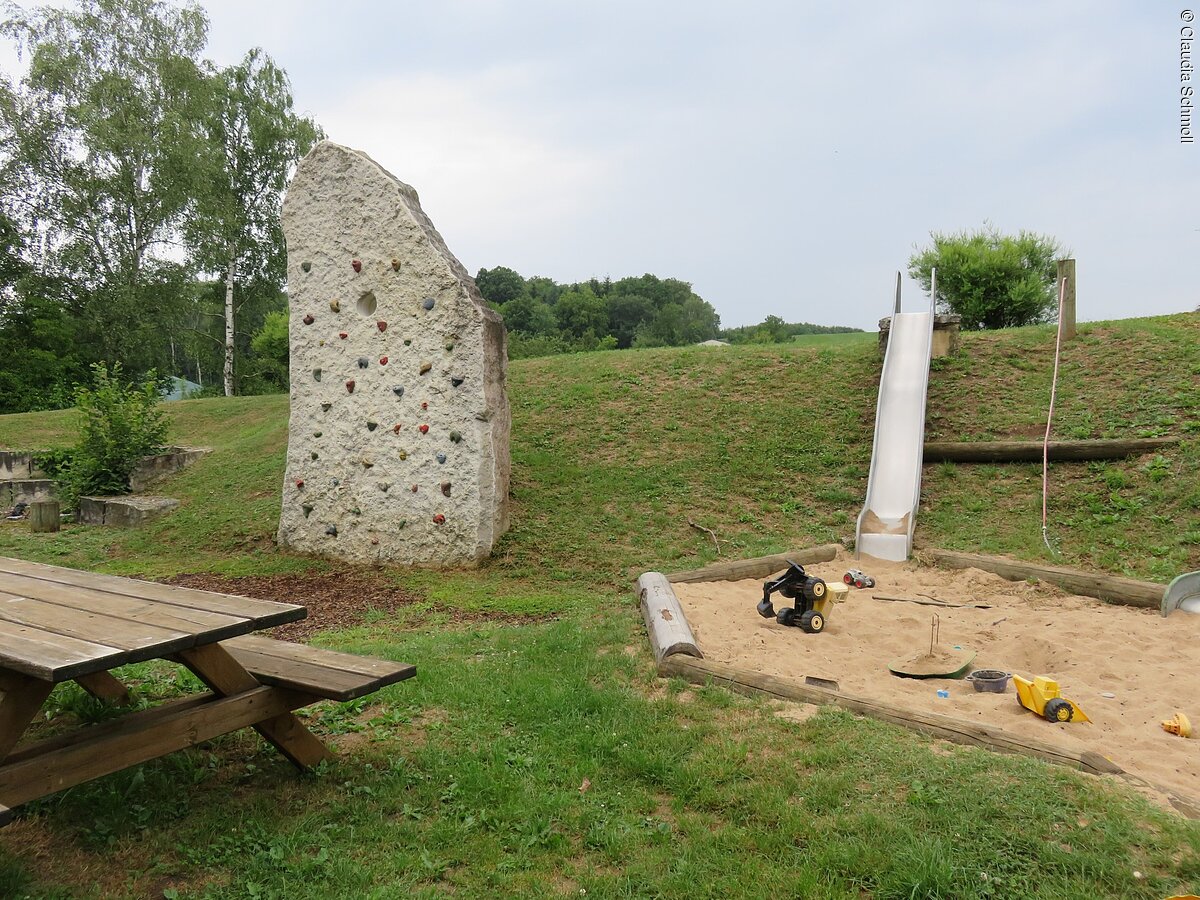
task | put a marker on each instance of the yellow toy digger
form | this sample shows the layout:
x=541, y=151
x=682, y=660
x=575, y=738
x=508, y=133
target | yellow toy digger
x=1042, y=697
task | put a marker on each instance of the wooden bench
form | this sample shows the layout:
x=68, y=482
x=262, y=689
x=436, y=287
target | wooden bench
x=314, y=670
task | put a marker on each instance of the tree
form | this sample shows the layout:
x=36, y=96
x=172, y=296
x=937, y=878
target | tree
x=254, y=140
x=528, y=316
x=581, y=314
x=100, y=143
x=991, y=279
x=500, y=285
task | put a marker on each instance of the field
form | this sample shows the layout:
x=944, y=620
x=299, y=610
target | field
x=537, y=754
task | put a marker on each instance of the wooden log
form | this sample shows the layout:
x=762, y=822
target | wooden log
x=1031, y=451
x=1110, y=588
x=667, y=625
x=44, y=516
x=958, y=731
x=1066, y=278
x=6, y=815
x=757, y=567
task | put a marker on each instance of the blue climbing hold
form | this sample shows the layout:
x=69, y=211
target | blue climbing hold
x=441, y=457
x=428, y=304
x=398, y=391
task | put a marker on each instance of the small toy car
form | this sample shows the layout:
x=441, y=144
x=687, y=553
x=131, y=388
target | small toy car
x=858, y=579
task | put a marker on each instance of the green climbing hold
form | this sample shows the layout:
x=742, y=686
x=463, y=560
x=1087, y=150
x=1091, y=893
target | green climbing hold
x=371, y=426
x=307, y=510
x=306, y=266
x=314, y=455
x=449, y=347
x=316, y=374
x=455, y=437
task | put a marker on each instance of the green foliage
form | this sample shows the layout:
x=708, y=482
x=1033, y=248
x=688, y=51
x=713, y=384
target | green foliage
x=991, y=279
x=119, y=424
x=271, y=347
x=773, y=330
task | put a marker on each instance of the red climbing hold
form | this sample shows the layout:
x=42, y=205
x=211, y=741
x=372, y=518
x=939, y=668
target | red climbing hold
x=381, y=325
x=343, y=335
x=413, y=488
x=350, y=385
x=396, y=428
x=383, y=360
x=439, y=519
x=357, y=265
x=308, y=320
x=299, y=482
x=424, y=406
x=424, y=429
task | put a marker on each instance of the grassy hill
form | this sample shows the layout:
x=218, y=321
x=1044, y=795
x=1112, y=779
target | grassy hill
x=471, y=774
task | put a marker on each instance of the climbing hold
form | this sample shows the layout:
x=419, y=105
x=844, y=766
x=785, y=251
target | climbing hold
x=441, y=457
x=404, y=454
x=446, y=488
x=366, y=464
x=398, y=391
x=355, y=511
x=299, y=482
x=331, y=530
x=428, y=304
x=335, y=305
x=356, y=265
x=322, y=342
x=413, y=488
x=424, y=405
x=385, y=486
x=456, y=381
x=395, y=264
x=314, y=455
x=449, y=347
x=396, y=428
x=308, y=319
x=455, y=437
x=325, y=407
x=342, y=335
x=363, y=362
x=439, y=519
x=371, y=426
x=350, y=385
x=335, y=481
x=307, y=510
x=374, y=542
x=381, y=325
x=408, y=342
x=317, y=434
x=401, y=523
x=316, y=374
x=425, y=367
x=383, y=360
x=306, y=266
x=424, y=429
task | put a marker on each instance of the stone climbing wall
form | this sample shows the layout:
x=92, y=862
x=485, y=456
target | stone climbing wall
x=398, y=442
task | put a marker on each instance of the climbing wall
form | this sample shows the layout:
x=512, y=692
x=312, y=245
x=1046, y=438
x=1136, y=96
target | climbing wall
x=398, y=441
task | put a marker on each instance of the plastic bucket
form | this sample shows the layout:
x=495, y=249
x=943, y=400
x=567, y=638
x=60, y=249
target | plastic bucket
x=992, y=681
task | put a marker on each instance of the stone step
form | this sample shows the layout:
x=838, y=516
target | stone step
x=27, y=490
x=18, y=466
x=155, y=468
x=123, y=512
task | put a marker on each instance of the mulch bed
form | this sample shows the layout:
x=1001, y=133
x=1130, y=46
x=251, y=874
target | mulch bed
x=339, y=599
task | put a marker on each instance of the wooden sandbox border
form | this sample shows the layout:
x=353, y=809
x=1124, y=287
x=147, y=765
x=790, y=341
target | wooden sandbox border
x=678, y=656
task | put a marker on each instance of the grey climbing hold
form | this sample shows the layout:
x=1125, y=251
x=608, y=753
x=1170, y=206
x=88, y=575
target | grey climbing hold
x=331, y=530
x=335, y=481
x=385, y=486
x=398, y=391
x=325, y=407
x=316, y=374
x=456, y=381
x=371, y=426
x=455, y=437
x=363, y=362
x=428, y=304
x=441, y=457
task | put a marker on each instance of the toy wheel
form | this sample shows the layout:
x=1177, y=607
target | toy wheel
x=812, y=621
x=860, y=583
x=848, y=578
x=1058, y=710
x=870, y=582
x=814, y=589
x=787, y=616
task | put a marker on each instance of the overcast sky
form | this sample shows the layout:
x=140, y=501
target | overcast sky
x=782, y=157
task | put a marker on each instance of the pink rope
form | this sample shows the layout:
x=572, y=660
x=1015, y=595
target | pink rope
x=1062, y=290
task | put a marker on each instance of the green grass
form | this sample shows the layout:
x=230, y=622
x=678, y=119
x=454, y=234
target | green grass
x=467, y=779
x=844, y=339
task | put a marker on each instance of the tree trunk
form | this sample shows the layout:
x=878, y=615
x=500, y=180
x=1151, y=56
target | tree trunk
x=230, y=275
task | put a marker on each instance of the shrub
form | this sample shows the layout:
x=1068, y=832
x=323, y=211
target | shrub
x=119, y=424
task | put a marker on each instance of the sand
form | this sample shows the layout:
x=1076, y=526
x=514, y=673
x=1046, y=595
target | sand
x=1127, y=669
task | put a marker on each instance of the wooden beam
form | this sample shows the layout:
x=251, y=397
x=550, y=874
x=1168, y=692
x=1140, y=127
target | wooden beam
x=665, y=622
x=1066, y=273
x=103, y=686
x=1031, y=451
x=23, y=697
x=976, y=734
x=136, y=739
x=1110, y=588
x=757, y=567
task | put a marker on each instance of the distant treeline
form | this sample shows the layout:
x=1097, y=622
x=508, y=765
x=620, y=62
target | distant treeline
x=544, y=317
x=773, y=330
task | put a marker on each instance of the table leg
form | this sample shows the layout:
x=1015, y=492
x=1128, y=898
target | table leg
x=104, y=686
x=224, y=675
x=23, y=697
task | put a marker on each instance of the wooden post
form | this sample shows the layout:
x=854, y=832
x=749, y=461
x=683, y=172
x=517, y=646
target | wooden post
x=1066, y=270
x=44, y=515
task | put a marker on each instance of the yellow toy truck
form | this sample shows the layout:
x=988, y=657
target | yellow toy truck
x=1042, y=697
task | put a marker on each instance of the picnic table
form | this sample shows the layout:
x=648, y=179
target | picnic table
x=61, y=625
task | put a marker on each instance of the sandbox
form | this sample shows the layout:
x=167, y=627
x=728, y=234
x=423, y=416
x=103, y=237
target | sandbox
x=1127, y=668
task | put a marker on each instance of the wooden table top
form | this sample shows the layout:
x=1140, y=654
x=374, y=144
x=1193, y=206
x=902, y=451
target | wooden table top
x=57, y=624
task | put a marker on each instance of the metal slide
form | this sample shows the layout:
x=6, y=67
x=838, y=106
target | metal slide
x=885, y=525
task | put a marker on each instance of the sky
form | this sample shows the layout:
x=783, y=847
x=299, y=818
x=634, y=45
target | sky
x=784, y=158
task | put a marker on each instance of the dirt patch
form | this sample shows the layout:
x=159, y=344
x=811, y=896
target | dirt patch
x=1128, y=669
